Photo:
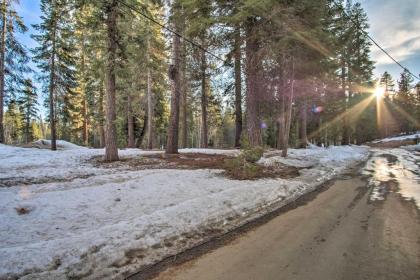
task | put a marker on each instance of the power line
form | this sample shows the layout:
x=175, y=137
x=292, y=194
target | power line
x=131, y=7
x=374, y=42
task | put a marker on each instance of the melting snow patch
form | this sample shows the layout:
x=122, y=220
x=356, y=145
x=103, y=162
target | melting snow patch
x=90, y=222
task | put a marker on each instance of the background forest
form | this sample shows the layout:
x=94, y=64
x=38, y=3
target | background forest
x=198, y=73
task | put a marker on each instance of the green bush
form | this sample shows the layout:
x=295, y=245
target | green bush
x=244, y=166
x=239, y=168
x=253, y=155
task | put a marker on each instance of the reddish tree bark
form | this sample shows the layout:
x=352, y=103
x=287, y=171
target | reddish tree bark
x=303, y=138
x=238, y=88
x=204, y=129
x=130, y=124
x=175, y=78
x=252, y=78
x=2, y=67
x=52, y=100
x=111, y=150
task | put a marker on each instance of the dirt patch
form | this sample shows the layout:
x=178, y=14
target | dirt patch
x=22, y=210
x=163, y=161
x=16, y=181
x=191, y=161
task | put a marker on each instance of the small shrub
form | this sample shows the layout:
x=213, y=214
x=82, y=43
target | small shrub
x=244, y=166
x=253, y=155
x=239, y=168
x=244, y=141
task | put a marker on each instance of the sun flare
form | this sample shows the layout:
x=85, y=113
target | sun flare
x=379, y=91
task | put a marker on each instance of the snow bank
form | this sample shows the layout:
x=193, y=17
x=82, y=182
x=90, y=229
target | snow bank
x=399, y=138
x=412, y=148
x=112, y=222
x=61, y=144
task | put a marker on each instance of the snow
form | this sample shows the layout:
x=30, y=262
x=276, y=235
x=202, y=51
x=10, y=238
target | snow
x=61, y=144
x=403, y=169
x=412, y=148
x=100, y=223
x=399, y=138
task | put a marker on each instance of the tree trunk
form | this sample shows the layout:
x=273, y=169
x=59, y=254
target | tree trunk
x=143, y=131
x=345, y=135
x=2, y=67
x=130, y=124
x=150, y=107
x=85, y=124
x=281, y=86
x=85, y=107
x=27, y=123
x=183, y=101
x=111, y=150
x=174, y=77
x=238, y=88
x=303, y=138
x=101, y=120
x=52, y=91
x=43, y=132
x=253, y=80
x=204, y=132
x=288, y=111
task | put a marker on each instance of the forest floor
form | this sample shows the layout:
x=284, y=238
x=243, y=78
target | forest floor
x=66, y=214
x=194, y=161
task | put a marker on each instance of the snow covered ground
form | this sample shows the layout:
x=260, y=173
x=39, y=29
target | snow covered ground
x=90, y=222
x=412, y=148
x=398, y=138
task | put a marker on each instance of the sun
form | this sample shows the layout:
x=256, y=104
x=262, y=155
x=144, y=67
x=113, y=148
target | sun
x=379, y=91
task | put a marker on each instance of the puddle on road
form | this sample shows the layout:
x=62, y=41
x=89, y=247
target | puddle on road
x=394, y=170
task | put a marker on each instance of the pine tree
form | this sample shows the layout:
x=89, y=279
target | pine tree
x=12, y=123
x=55, y=58
x=405, y=102
x=28, y=108
x=387, y=83
x=111, y=149
x=175, y=78
x=13, y=56
x=387, y=121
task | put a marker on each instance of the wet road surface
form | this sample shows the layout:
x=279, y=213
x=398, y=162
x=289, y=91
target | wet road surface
x=363, y=227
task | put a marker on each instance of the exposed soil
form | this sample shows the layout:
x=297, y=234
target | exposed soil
x=191, y=161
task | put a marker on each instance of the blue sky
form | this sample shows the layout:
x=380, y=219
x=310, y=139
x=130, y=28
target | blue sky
x=30, y=11
x=395, y=24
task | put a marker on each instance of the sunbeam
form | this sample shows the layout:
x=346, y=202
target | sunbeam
x=405, y=115
x=352, y=113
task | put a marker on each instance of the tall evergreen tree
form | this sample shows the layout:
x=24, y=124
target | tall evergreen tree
x=111, y=149
x=28, y=108
x=387, y=83
x=55, y=58
x=175, y=78
x=406, y=102
x=13, y=56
